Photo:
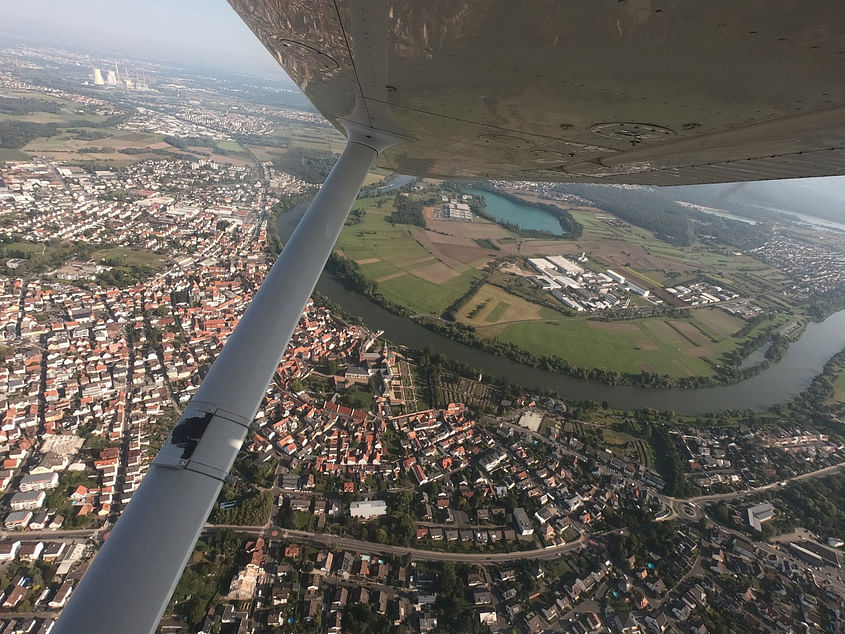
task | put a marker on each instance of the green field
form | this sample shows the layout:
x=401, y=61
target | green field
x=492, y=305
x=404, y=269
x=231, y=146
x=676, y=347
x=406, y=272
x=496, y=314
x=839, y=389
x=327, y=139
x=13, y=155
x=24, y=249
x=59, y=118
x=121, y=256
x=641, y=345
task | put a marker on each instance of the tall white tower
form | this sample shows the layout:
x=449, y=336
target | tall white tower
x=98, y=77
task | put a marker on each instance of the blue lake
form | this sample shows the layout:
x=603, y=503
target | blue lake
x=523, y=216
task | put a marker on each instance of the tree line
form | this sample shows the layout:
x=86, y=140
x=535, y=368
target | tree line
x=183, y=143
x=312, y=166
x=572, y=228
x=407, y=211
x=27, y=105
x=15, y=134
x=670, y=221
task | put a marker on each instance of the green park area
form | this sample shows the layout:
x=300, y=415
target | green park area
x=411, y=266
x=839, y=389
x=125, y=257
x=392, y=255
x=128, y=266
x=39, y=255
x=677, y=347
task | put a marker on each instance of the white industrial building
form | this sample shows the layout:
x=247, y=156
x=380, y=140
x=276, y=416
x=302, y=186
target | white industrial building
x=455, y=210
x=638, y=290
x=366, y=509
x=615, y=276
x=567, y=266
x=571, y=303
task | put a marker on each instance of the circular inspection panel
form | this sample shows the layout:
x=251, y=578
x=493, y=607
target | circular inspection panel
x=307, y=55
x=635, y=132
x=506, y=141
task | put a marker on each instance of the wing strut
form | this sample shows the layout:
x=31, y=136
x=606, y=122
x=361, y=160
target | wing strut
x=129, y=583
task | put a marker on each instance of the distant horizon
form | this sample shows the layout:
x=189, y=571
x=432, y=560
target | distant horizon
x=110, y=53
x=192, y=33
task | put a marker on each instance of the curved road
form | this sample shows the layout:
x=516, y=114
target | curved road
x=716, y=497
x=348, y=543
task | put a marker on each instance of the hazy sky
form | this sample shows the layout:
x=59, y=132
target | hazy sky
x=196, y=32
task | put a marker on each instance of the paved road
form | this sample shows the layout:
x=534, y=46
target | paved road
x=716, y=497
x=348, y=543
x=53, y=536
x=22, y=616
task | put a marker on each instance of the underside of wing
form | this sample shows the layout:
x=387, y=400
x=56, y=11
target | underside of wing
x=664, y=92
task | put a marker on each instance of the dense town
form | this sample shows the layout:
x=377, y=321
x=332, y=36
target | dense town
x=531, y=516
x=364, y=501
x=813, y=267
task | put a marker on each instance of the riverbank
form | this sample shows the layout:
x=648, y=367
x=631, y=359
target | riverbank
x=346, y=272
x=777, y=384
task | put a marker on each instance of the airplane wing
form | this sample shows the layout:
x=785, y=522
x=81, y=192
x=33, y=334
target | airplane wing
x=663, y=92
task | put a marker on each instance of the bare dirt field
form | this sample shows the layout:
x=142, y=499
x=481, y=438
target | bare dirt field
x=513, y=269
x=492, y=305
x=479, y=229
x=436, y=273
x=454, y=250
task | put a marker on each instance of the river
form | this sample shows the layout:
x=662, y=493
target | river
x=777, y=384
x=395, y=181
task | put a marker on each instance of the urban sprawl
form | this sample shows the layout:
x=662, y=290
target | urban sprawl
x=387, y=510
